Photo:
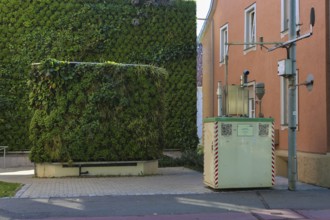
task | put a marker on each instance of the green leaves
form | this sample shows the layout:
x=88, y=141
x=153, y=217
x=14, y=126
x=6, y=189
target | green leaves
x=95, y=31
x=105, y=111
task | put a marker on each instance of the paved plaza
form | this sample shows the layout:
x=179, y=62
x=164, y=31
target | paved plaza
x=173, y=180
x=169, y=181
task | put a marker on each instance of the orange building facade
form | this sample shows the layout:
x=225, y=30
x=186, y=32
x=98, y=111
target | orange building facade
x=237, y=22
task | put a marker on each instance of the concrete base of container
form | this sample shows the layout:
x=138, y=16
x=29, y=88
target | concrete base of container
x=122, y=168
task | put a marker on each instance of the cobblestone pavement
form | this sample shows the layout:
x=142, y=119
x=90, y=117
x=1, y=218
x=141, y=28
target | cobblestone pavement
x=169, y=181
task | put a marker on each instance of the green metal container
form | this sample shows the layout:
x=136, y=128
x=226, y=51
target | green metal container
x=239, y=152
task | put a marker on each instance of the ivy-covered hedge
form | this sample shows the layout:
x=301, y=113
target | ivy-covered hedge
x=96, y=112
x=157, y=32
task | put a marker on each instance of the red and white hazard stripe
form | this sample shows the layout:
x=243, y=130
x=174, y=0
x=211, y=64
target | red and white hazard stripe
x=273, y=154
x=216, y=154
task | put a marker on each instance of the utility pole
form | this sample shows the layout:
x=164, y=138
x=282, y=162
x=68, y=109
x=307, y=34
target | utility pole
x=290, y=45
x=292, y=117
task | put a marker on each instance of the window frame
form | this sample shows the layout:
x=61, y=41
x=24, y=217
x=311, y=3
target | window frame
x=250, y=29
x=252, y=99
x=285, y=8
x=224, y=30
x=284, y=101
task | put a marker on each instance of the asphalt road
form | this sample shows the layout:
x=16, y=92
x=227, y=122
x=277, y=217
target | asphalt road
x=177, y=193
x=249, y=204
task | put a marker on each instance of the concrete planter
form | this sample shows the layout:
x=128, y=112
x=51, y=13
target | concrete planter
x=122, y=168
x=312, y=168
x=15, y=159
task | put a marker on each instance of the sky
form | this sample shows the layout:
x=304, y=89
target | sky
x=202, y=9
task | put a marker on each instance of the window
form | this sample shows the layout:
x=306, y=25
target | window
x=285, y=15
x=284, y=101
x=223, y=41
x=250, y=27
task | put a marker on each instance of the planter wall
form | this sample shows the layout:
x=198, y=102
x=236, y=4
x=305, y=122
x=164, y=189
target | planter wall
x=129, y=168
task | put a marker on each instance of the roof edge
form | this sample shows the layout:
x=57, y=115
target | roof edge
x=207, y=22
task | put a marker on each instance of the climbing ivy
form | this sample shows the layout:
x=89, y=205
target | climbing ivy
x=156, y=32
x=96, y=112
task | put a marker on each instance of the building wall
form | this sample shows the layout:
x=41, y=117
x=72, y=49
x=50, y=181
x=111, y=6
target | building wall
x=327, y=27
x=208, y=76
x=311, y=58
x=312, y=133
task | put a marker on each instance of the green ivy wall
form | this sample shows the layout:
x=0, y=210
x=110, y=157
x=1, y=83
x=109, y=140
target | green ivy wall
x=96, y=111
x=156, y=32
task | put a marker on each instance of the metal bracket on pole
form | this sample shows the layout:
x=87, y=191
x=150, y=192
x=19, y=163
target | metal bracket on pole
x=295, y=39
x=288, y=43
x=261, y=43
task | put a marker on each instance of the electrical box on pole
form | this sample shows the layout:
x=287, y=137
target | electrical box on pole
x=284, y=67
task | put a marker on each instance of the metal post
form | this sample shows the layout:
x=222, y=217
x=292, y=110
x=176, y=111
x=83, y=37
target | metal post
x=219, y=93
x=4, y=158
x=292, y=117
x=4, y=155
x=225, y=111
